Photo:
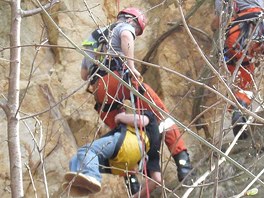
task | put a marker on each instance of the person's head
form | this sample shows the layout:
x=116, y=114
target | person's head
x=127, y=105
x=135, y=17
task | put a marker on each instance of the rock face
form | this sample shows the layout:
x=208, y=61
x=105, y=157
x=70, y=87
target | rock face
x=59, y=114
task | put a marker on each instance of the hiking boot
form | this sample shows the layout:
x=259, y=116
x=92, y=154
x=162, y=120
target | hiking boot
x=132, y=183
x=83, y=181
x=75, y=191
x=238, y=121
x=183, y=163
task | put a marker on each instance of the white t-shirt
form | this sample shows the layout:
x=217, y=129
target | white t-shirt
x=115, y=39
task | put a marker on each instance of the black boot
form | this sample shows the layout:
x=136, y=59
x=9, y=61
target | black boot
x=132, y=183
x=238, y=120
x=183, y=163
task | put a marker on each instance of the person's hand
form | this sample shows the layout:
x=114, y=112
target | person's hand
x=135, y=72
x=136, y=75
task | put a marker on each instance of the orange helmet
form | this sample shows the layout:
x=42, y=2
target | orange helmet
x=141, y=19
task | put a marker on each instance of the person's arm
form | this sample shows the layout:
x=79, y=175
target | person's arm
x=129, y=119
x=152, y=184
x=127, y=46
x=87, y=64
x=84, y=73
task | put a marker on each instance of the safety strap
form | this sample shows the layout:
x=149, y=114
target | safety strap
x=101, y=36
x=115, y=64
x=121, y=129
x=233, y=61
x=243, y=22
x=253, y=16
x=107, y=107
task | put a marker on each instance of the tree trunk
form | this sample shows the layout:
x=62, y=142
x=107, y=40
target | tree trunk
x=13, y=103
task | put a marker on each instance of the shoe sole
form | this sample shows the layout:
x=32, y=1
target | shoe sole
x=75, y=191
x=80, y=180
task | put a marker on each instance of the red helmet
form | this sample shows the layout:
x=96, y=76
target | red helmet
x=139, y=16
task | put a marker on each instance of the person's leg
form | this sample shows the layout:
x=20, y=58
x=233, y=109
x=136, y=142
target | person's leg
x=132, y=183
x=174, y=141
x=173, y=138
x=78, y=184
x=152, y=184
x=238, y=119
x=88, y=155
x=84, y=167
x=244, y=82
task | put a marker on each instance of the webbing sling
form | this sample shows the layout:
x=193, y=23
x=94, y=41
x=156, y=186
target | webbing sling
x=102, y=36
x=244, y=18
x=107, y=107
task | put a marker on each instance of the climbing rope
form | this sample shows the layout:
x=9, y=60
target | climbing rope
x=142, y=164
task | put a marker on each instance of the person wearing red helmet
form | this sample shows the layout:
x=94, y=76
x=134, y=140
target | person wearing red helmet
x=109, y=93
x=139, y=17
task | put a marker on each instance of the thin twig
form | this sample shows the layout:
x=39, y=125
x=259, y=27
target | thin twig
x=27, y=13
x=32, y=180
x=249, y=185
x=30, y=74
x=4, y=105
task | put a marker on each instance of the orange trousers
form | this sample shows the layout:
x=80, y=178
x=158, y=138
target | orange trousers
x=245, y=72
x=109, y=88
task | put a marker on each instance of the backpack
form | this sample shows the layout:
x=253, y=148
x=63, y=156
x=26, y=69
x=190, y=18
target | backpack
x=128, y=144
x=97, y=42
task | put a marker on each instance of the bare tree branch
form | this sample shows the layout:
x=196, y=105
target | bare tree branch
x=31, y=73
x=4, y=107
x=27, y=13
x=201, y=32
x=32, y=180
x=13, y=102
x=35, y=46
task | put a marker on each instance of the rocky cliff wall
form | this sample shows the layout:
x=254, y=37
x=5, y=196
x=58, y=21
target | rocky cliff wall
x=50, y=78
